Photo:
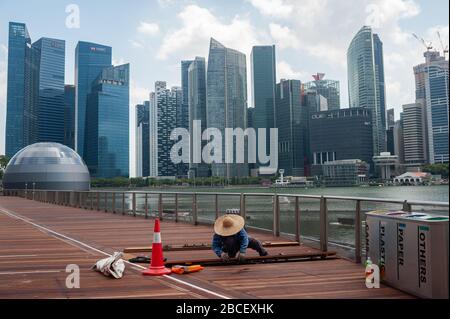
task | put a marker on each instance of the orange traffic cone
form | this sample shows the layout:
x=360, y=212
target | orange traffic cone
x=157, y=264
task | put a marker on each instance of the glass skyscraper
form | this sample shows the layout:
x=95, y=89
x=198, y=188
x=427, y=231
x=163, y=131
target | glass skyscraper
x=292, y=124
x=366, y=81
x=226, y=99
x=437, y=102
x=107, y=123
x=69, y=116
x=90, y=60
x=19, y=59
x=183, y=112
x=47, y=90
x=264, y=77
x=197, y=112
x=142, y=140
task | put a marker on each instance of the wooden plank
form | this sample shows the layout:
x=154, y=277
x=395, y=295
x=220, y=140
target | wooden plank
x=202, y=247
x=252, y=260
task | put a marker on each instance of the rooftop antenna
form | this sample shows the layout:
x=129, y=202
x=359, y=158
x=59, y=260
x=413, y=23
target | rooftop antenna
x=444, y=48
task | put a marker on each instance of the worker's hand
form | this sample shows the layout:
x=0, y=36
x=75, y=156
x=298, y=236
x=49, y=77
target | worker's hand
x=225, y=258
x=241, y=257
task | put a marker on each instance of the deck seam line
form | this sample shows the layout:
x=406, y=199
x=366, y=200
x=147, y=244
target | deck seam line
x=29, y=221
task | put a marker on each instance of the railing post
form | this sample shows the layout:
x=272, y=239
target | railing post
x=113, y=204
x=216, y=204
x=91, y=197
x=160, y=206
x=297, y=220
x=98, y=201
x=276, y=216
x=407, y=207
x=134, y=204
x=242, y=208
x=106, y=202
x=323, y=225
x=123, y=203
x=358, y=232
x=146, y=206
x=176, y=208
x=194, y=209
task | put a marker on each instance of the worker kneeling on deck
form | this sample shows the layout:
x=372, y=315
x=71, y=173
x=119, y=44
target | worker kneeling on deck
x=231, y=239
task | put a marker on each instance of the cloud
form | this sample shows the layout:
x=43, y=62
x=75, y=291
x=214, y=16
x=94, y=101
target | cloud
x=273, y=8
x=3, y=81
x=283, y=36
x=147, y=28
x=285, y=71
x=197, y=25
x=136, y=44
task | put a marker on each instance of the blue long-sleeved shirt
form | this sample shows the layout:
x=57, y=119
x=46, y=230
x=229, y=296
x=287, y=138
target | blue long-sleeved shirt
x=241, y=237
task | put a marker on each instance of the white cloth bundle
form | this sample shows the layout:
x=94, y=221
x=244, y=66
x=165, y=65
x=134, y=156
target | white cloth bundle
x=111, y=266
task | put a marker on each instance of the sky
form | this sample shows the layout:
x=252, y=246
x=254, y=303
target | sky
x=311, y=36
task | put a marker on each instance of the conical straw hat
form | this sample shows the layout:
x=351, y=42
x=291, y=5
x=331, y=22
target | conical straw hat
x=229, y=225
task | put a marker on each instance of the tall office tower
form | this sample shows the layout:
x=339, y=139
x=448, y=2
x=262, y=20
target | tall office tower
x=143, y=140
x=197, y=112
x=366, y=82
x=226, y=101
x=166, y=105
x=390, y=125
x=90, y=60
x=264, y=73
x=414, y=134
x=17, y=105
x=399, y=140
x=107, y=123
x=329, y=89
x=153, y=132
x=69, y=116
x=292, y=124
x=432, y=87
x=47, y=90
x=329, y=132
x=183, y=112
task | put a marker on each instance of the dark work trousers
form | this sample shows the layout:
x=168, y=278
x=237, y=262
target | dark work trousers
x=231, y=246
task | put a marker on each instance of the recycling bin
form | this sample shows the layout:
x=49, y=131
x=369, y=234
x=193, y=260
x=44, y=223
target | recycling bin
x=411, y=250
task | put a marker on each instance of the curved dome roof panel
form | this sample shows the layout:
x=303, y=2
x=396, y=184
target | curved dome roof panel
x=50, y=166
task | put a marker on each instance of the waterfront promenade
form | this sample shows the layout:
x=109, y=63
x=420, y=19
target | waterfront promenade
x=38, y=240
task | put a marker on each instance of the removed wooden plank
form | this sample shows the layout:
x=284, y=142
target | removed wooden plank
x=203, y=247
x=253, y=260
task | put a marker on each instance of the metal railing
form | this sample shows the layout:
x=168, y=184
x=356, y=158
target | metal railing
x=126, y=203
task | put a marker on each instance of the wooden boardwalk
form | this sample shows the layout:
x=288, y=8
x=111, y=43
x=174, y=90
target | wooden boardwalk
x=38, y=241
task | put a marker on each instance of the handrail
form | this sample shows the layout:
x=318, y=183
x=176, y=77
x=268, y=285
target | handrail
x=81, y=199
x=318, y=197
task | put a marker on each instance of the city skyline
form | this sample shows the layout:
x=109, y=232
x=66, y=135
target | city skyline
x=226, y=23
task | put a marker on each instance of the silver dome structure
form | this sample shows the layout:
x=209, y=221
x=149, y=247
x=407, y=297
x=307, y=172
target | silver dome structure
x=47, y=166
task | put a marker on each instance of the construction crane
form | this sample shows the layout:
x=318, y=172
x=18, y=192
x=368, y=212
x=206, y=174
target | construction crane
x=444, y=48
x=428, y=46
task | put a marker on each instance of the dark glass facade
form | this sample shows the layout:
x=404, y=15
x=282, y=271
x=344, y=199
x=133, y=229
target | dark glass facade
x=197, y=111
x=226, y=100
x=366, y=82
x=90, y=60
x=292, y=124
x=19, y=44
x=69, y=116
x=264, y=73
x=143, y=138
x=107, y=124
x=47, y=89
x=340, y=135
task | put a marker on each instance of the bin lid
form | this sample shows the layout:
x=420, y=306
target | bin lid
x=438, y=219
